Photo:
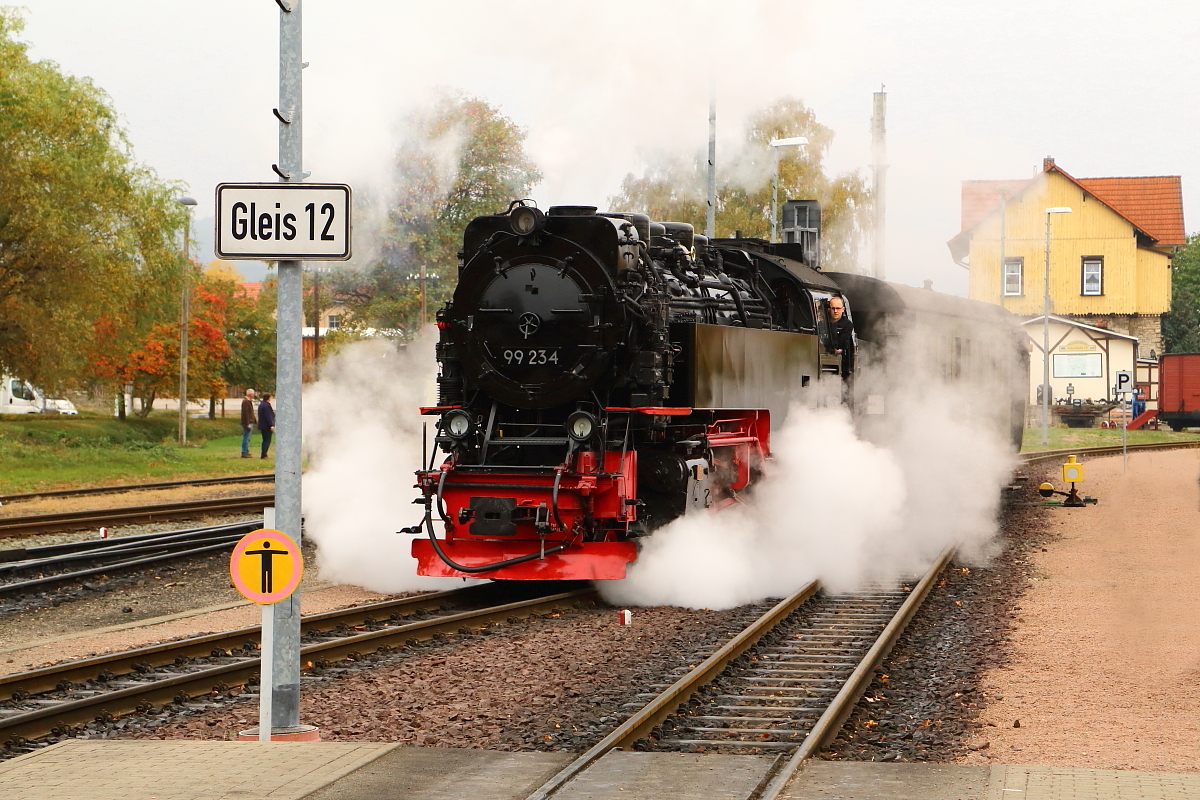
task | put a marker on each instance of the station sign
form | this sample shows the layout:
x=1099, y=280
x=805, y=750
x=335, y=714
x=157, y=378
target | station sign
x=283, y=221
x=266, y=566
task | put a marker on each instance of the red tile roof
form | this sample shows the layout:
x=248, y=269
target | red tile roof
x=250, y=290
x=1154, y=204
x=980, y=198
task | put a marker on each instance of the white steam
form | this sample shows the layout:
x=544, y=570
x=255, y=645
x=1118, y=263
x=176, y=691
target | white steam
x=839, y=508
x=362, y=436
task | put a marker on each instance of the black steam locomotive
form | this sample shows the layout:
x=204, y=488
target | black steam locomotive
x=602, y=374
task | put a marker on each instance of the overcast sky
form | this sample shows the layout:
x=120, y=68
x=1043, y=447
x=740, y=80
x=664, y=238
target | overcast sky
x=975, y=89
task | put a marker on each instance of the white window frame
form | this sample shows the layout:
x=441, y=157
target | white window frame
x=1009, y=263
x=1096, y=262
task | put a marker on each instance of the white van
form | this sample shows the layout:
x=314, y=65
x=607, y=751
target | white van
x=18, y=397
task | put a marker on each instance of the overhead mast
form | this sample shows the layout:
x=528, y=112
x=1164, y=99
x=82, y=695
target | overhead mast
x=710, y=214
x=879, y=178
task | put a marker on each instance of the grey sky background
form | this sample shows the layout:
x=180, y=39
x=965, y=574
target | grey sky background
x=975, y=89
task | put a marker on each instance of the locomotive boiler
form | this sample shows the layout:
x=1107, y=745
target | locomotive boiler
x=602, y=374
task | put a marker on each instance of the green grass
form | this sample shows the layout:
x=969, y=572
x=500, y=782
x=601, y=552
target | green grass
x=42, y=453
x=1064, y=438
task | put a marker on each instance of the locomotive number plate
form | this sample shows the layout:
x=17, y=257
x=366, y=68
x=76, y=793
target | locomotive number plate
x=533, y=357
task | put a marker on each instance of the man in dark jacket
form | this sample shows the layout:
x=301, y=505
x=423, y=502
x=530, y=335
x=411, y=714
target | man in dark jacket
x=266, y=422
x=841, y=331
x=247, y=421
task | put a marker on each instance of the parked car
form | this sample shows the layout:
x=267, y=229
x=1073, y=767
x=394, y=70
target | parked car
x=18, y=397
x=62, y=405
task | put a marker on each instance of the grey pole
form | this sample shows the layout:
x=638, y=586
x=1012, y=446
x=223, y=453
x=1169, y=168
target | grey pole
x=1046, y=341
x=1046, y=330
x=285, y=675
x=710, y=215
x=879, y=177
x=184, y=315
x=775, y=195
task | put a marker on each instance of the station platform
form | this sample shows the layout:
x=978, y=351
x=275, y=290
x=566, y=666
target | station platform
x=209, y=770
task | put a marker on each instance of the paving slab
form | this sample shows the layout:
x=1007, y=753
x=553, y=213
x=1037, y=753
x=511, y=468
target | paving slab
x=181, y=770
x=673, y=776
x=859, y=780
x=441, y=773
x=1010, y=782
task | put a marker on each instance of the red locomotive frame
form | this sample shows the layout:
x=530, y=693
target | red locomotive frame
x=573, y=521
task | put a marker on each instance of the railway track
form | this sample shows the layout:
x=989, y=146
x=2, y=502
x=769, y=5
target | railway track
x=56, y=700
x=13, y=527
x=268, y=477
x=793, y=694
x=1040, y=456
x=74, y=561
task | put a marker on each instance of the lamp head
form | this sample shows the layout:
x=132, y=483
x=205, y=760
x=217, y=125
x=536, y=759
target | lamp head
x=185, y=200
x=789, y=141
x=1058, y=210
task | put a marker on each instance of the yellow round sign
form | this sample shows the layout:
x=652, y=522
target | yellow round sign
x=266, y=566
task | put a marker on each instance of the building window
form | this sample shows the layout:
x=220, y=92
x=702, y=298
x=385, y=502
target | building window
x=1014, y=270
x=334, y=319
x=1092, y=275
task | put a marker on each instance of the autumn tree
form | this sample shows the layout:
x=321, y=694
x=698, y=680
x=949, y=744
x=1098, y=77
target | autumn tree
x=461, y=158
x=674, y=188
x=85, y=232
x=1181, y=326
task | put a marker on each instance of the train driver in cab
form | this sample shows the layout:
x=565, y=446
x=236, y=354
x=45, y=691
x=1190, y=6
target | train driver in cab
x=841, y=333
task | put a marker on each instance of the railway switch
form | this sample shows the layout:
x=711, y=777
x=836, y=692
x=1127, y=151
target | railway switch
x=1072, y=475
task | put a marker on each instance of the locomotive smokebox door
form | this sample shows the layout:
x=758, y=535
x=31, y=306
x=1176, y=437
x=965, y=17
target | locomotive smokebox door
x=493, y=516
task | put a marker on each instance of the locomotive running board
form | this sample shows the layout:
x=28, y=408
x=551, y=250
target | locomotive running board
x=590, y=561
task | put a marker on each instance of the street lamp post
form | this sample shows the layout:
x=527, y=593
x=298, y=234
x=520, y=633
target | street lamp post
x=183, y=317
x=791, y=141
x=1046, y=330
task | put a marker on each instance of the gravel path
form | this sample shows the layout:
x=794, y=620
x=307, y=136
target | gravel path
x=554, y=683
x=1105, y=653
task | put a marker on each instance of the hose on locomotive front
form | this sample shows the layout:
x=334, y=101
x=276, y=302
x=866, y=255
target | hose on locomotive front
x=437, y=548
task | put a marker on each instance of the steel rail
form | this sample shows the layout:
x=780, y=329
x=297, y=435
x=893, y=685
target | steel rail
x=18, y=587
x=60, y=717
x=139, y=487
x=827, y=725
x=73, y=520
x=661, y=707
x=847, y=698
x=1038, y=456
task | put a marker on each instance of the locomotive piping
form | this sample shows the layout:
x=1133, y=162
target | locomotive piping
x=486, y=567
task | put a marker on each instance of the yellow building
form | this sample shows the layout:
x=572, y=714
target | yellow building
x=1109, y=258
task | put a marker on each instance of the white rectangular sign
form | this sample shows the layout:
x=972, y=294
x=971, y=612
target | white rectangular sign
x=283, y=221
x=1124, y=382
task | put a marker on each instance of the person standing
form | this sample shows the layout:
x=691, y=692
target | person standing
x=266, y=422
x=247, y=421
x=841, y=331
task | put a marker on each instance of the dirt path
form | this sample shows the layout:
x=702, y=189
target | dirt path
x=1105, y=667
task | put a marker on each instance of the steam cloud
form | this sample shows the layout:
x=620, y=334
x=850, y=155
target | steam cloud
x=362, y=436
x=845, y=507
x=839, y=505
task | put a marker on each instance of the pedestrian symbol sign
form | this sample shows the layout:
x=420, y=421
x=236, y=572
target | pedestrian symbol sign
x=266, y=566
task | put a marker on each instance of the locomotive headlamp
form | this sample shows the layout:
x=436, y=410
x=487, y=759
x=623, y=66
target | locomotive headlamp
x=525, y=220
x=456, y=424
x=580, y=426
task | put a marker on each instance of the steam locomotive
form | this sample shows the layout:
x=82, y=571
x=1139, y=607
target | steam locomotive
x=602, y=374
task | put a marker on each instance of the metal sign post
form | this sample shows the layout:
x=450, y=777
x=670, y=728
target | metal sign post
x=285, y=222
x=1123, y=387
x=266, y=567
